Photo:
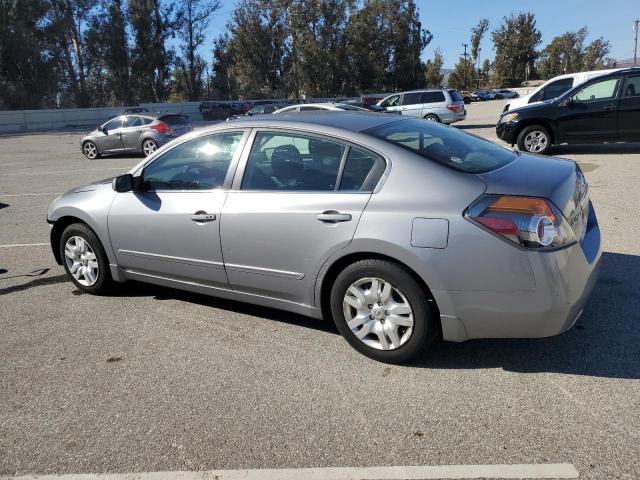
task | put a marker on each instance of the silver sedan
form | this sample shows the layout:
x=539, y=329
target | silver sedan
x=399, y=230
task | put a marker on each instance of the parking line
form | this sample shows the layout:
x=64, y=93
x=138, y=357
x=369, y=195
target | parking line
x=14, y=245
x=442, y=472
x=28, y=194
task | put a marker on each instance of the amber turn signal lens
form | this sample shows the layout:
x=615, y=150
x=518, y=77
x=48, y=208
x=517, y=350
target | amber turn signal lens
x=524, y=205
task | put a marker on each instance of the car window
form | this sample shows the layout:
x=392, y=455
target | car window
x=553, y=90
x=146, y=120
x=174, y=119
x=362, y=171
x=132, y=121
x=603, y=90
x=308, y=108
x=432, y=97
x=392, y=101
x=448, y=146
x=283, y=162
x=632, y=89
x=198, y=164
x=113, y=124
x=411, y=98
x=455, y=96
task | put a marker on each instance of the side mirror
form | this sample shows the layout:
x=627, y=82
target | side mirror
x=124, y=183
x=103, y=130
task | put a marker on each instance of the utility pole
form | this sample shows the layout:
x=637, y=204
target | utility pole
x=635, y=43
x=465, y=45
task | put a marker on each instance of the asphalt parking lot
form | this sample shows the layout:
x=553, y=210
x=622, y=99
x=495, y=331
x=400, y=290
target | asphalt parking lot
x=154, y=379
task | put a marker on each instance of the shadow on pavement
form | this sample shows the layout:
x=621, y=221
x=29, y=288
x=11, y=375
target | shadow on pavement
x=602, y=148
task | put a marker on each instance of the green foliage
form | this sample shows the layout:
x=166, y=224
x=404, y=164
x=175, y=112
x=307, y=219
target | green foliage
x=515, y=42
x=463, y=76
x=477, y=33
x=433, y=70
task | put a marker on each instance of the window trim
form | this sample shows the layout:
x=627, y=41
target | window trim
x=230, y=172
x=236, y=185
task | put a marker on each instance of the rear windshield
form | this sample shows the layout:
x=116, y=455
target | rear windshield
x=446, y=145
x=174, y=119
x=455, y=95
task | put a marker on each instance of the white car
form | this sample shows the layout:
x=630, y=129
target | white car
x=506, y=94
x=308, y=107
x=555, y=87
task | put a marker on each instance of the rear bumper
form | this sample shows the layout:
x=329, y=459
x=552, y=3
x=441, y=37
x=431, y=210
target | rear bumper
x=507, y=132
x=564, y=280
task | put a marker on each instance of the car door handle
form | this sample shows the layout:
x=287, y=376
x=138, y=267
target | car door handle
x=202, y=217
x=332, y=216
x=609, y=107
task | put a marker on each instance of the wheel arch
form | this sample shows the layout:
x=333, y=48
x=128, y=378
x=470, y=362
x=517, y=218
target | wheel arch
x=333, y=270
x=89, y=140
x=56, y=233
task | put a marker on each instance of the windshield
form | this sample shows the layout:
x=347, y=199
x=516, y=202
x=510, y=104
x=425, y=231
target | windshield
x=449, y=146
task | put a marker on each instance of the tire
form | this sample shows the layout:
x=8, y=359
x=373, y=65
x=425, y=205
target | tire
x=413, y=332
x=93, y=259
x=499, y=97
x=148, y=147
x=534, y=139
x=90, y=150
x=432, y=118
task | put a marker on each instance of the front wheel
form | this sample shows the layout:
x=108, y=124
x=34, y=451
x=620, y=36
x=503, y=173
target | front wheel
x=534, y=139
x=148, y=147
x=382, y=311
x=90, y=150
x=84, y=259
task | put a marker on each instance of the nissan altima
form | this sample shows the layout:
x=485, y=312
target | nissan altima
x=399, y=230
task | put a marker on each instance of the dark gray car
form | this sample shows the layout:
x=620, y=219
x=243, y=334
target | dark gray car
x=134, y=134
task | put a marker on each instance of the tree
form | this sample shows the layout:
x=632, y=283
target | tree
x=28, y=64
x=152, y=26
x=192, y=21
x=595, y=56
x=515, y=43
x=462, y=75
x=564, y=54
x=433, y=70
x=477, y=33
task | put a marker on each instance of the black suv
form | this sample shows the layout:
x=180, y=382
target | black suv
x=603, y=109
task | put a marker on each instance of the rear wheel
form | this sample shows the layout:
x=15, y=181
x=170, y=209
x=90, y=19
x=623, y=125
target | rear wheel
x=149, y=146
x=84, y=259
x=432, y=118
x=90, y=150
x=499, y=97
x=534, y=139
x=382, y=311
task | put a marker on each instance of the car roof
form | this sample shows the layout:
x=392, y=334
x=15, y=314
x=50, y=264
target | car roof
x=345, y=120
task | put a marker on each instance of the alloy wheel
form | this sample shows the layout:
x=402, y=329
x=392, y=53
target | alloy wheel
x=90, y=150
x=536, y=141
x=378, y=313
x=148, y=147
x=81, y=261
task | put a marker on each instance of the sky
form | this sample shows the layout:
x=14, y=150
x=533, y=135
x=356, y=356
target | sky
x=450, y=22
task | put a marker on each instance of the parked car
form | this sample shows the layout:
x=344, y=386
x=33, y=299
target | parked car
x=555, y=87
x=260, y=109
x=500, y=94
x=435, y=105
x=603, y=109
x=134, y=110
x=309, y=107
x=214, y=110
x=399, y=230
x=134, y=134
x=467, y=97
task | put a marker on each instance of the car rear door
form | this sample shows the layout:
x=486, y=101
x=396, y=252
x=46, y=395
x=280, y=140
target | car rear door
x=131, y=130
x=290, y=209
x=411, y=104
x=591, y=113
x=629, y=109
x=171, y=229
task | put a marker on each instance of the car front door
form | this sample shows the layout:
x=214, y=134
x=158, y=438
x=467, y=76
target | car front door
x=591, y=113
x=392, y=103
x=109, y=140
x=171, y=228
x=289, y=210
x=411, y=105
x=629, y=109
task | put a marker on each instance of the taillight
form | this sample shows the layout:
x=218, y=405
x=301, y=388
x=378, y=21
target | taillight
x=529, y=222
x=455, y=108
x=160, y=127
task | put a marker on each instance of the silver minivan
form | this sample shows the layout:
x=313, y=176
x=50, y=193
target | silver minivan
x=436, y=105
